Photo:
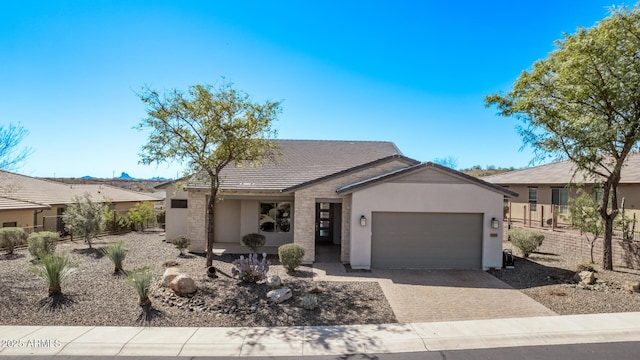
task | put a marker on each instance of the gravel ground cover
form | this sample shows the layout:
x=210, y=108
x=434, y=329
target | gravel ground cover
x=93, y=295
x=548, y=279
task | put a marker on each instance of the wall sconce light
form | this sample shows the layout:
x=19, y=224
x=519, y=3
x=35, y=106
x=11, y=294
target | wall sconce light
x=363, y=221
x=495, y=223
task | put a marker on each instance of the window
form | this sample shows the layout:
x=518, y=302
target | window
x=598, y=194
x=178, y=203
x=533, y=198
x=560, y=197
x=275, y=217
x=10, y=224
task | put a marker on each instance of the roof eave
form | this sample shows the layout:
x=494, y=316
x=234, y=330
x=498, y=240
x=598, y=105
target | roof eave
x=383, y=178
x=319, y=180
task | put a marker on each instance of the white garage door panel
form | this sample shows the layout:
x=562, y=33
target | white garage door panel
x=426, y=240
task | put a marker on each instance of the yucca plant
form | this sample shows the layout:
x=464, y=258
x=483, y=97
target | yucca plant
x=54, y=269
x=141, y=280
x=116, y=252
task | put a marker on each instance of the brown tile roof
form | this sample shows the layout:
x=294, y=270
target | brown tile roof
x=408, y=170
x=15, y=204
x=302, y=161
x=32, y=190
x=562, y=173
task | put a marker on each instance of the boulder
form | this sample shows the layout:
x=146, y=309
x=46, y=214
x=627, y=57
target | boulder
x=182, y=284
x=631, y=286
x=275, y=282
x=169, y=275
x=279, y=295
x=585, y=277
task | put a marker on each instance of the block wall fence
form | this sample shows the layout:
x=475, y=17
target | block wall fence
x=626, y=253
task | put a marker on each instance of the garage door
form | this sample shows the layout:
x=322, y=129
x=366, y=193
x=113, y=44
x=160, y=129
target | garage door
x=426, y=240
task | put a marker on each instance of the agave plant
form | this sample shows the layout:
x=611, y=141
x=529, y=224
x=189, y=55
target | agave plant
x=141, y=280
x=181, y=243
x=54, y=269
x=116, y=252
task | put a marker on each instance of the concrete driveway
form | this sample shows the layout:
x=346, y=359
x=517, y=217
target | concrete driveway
x=441, y=295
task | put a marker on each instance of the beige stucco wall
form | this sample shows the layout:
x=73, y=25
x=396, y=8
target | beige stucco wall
x=227, y=221
x=236, y=215
x=305, y=208
x=440, y=198
x=23, y=218
x=175, y=219
x=631, y=193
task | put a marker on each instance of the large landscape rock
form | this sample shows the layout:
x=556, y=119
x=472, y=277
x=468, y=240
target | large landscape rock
x=279, y=295
x=169, y=275
x=275, y=282
x=585, y=277
x=182, y=284
x=631, y=286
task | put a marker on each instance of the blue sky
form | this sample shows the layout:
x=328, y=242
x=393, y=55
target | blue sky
x=411, y=72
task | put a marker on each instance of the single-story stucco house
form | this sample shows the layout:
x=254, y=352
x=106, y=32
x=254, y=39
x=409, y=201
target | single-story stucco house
x=540, y=187
x=36, y=204
x=382, y=209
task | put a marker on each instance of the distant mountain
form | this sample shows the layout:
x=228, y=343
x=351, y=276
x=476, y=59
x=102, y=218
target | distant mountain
x=158, y=178
x=125, y=176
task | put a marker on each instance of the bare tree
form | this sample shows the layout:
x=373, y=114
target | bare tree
x=11, y=154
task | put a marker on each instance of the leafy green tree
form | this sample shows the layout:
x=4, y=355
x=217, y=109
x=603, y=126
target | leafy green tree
x=10, y=153
x=207, y=129
x=141, y=214
x=581, y=103
x=83, y=218
x=585, y=216
x=112, y=220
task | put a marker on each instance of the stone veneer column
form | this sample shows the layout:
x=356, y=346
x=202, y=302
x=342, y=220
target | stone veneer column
x=346, y=230
x=304, y=221
x=196, y=221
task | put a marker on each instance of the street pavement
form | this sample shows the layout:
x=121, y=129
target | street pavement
x=432, y=338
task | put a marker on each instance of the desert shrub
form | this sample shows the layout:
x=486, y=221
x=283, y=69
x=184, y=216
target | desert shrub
x=83, y=218
x=181, y=243
x=254, y=241
x=10, y=237
x=291, y=256
x=310, y=302
x=161, y=217
x=141, y=214
x=585, y=267
x=250, y=269
x=115, y=222
x=141, y=280
x=54, y=269
x=116, y=252
x=42, y=243
x=526, y=240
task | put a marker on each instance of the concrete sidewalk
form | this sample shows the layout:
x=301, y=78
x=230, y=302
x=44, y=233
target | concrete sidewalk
x=318, y=340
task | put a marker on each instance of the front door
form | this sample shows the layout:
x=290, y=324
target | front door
x=324, y=223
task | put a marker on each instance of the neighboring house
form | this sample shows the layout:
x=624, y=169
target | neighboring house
x=37, y=204
x=548, y=184
x=380, y=208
